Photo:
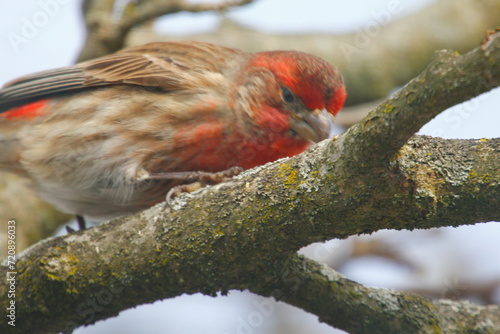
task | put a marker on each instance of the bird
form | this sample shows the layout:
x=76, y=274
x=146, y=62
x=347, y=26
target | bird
x=114, y=135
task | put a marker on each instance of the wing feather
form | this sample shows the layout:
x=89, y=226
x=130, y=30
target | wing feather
x=167, y=66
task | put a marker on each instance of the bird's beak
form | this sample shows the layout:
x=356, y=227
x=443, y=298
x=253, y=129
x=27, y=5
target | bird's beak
x=313, y=125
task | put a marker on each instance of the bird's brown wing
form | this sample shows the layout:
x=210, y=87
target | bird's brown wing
x=167, y=66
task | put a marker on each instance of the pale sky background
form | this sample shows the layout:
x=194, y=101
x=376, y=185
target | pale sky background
x=55, y=42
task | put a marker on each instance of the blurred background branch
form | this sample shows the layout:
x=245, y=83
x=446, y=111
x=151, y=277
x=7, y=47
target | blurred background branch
x=110, y=21
x=382, y=55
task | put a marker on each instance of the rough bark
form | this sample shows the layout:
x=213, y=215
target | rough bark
x=357, y=309
x=243, y=234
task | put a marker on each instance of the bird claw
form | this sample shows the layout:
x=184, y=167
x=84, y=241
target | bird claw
x=69, y=229
x=200, y=179
x=81, y=225
x=177, y=190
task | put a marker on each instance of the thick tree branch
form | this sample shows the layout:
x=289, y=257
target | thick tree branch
x=254, y=222
x=448, y=80
x=356, y=309
x=238, y=234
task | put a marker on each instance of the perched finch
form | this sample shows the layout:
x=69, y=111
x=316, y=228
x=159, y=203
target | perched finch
x=113, y=135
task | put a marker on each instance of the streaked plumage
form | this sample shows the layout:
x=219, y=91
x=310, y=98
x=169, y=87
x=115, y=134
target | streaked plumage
x=90, y=135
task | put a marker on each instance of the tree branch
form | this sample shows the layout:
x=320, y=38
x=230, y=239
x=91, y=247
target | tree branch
x=356, y=309
x=236, y=235
x=448, y=80
x=108, y=26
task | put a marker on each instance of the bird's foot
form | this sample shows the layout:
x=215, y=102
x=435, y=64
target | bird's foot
x=81, y=224
x=197, y=179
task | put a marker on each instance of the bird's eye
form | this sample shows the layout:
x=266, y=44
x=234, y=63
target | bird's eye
x=287, y=95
